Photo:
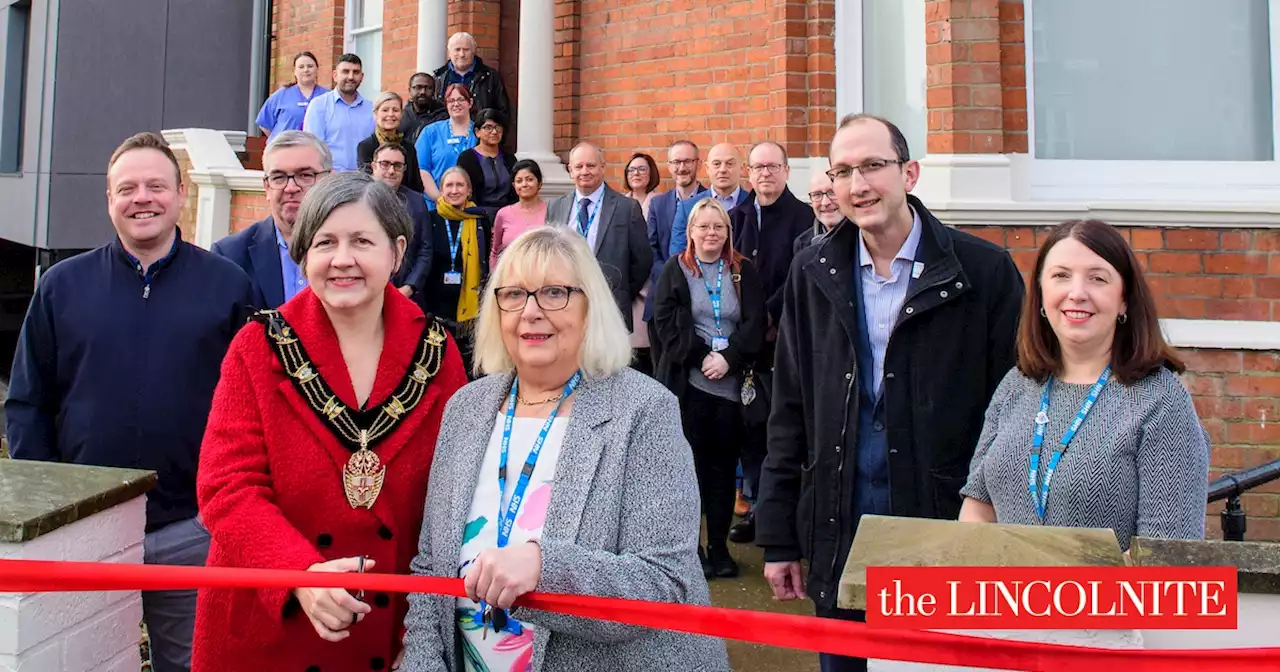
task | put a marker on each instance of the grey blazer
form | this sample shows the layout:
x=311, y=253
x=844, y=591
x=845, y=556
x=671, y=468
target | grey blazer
x=622, y=245
x=623, y=522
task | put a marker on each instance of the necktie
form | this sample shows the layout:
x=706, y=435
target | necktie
x=584, y=223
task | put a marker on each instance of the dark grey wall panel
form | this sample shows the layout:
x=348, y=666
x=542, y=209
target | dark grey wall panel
x=78, y=211
x=207, y=64
x=110, y=79
x=125, y=66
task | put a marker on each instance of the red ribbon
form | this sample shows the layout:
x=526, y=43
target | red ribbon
x=806, y=633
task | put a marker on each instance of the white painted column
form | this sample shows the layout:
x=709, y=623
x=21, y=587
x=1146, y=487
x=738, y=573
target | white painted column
x=536, y=104
x=433, y=42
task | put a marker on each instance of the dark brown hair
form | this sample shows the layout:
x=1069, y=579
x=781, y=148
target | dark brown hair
x=654, y=178
x=1138, y=347
x=146, y=140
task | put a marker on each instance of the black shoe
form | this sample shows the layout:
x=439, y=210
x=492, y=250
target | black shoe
x=707, y=570
x=721, y=563
x=745, y=531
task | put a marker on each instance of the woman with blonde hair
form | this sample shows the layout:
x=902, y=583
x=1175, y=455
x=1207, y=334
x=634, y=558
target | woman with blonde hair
x=562, y=470
x=388, y=108
x=710, y=316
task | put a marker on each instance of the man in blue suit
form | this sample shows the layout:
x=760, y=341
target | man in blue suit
x=724, y=167
x=292, y=163
x=682, y=164
x=388, y=166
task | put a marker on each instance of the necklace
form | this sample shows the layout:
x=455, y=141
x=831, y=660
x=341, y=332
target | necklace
x=520, y=398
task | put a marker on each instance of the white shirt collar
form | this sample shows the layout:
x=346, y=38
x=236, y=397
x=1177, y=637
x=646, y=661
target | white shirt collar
x=594, y=196
x=909, y=246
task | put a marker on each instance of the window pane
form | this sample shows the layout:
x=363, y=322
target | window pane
x=1152, y=80
x=370, y=13
x=893, y=67
x=368, y=46
x=14, y=24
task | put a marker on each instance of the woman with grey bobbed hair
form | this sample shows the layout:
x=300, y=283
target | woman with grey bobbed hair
x=326, y=407
x=564, y=471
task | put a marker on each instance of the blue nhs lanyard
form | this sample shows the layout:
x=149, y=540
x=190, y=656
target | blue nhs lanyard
x=1040, y=498
x=591, y=217
x=507, y=518
x=455, y=241
x=715, y=295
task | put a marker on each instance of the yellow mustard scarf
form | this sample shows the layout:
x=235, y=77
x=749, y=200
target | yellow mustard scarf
x=388, y=137
x=469, y=302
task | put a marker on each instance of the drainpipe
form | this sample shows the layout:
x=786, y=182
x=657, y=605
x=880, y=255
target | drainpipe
x=259, y=62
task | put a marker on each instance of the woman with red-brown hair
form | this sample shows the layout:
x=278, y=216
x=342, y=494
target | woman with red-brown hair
x=1095, y=407
x=710, y=316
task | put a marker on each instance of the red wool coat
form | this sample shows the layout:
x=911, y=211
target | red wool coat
x=271, y=493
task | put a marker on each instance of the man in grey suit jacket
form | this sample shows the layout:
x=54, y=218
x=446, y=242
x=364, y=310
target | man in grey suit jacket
x=612, y=223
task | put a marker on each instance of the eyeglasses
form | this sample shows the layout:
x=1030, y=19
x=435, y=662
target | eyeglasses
x=770, y=168
x=681, y=163
x=638, y=169
x=457, y=101
x=304, y=179
x=393, y=166
x=867, y=168
x=817, y=196
x=550, y=297
x=491, y=128
x=703, y=228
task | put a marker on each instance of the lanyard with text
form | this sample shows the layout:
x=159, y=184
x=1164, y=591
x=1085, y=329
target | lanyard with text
x=718, y=342
x=591, y=217
x=1040, y=498
x=507, y=518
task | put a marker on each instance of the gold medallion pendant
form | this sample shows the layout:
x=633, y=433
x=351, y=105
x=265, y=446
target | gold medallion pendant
x=363, y=475
x=359, y=431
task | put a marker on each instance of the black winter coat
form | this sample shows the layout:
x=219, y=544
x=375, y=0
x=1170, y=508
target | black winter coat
x=953, y=343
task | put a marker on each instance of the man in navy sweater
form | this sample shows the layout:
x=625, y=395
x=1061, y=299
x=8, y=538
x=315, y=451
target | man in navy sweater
x=116, y=365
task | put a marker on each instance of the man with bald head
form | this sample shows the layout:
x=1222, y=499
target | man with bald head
x=826, y=211
x=724, y=168
x=613, y=225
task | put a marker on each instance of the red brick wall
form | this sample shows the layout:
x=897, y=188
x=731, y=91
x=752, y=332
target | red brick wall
x=964, y=94
x=306, y=25
x=481, y=18
x=399, y=44
x=1222, y=274
x=635, y=75
x=1013, y=77
x=247, y=207
x=1236, y=396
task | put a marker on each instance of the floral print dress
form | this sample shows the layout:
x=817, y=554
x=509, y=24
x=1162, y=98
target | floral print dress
x=512, y=649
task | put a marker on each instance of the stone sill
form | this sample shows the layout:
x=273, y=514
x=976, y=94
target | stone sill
x=37, y=498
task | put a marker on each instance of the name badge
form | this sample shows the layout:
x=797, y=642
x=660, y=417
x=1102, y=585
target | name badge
x=719, y=343
x=916, y=269
x=303, y=103
x=452, y=278
x=454, y=141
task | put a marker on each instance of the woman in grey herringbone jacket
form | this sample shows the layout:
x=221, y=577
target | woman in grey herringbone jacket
x=600, y=497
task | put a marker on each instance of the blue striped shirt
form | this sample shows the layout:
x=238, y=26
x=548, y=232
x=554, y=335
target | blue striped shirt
x=882, y=298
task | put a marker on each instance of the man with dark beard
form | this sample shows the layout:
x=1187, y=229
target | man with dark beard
x=421, y=108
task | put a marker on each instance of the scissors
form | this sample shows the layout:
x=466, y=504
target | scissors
x=359, y=593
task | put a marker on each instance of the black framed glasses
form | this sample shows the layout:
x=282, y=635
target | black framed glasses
x=867, y=168
x=816, y=196
x=303, y=179
x=393, y=166
x=549, y=297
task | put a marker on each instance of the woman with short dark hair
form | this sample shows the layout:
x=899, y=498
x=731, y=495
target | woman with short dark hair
x=1095, y=407
x=491, y=170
